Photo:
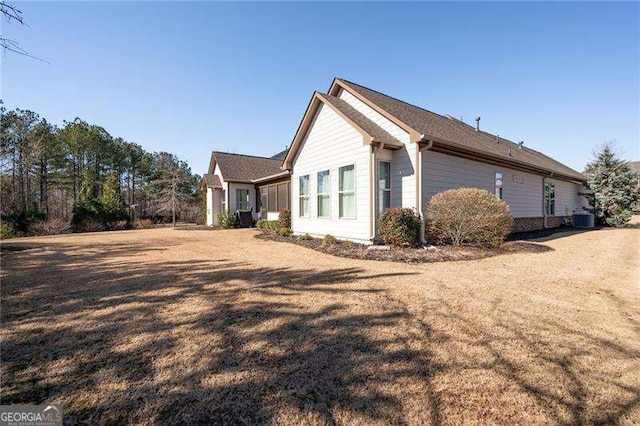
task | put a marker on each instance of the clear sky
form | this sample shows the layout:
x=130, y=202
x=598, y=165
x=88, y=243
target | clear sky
x=189, y=77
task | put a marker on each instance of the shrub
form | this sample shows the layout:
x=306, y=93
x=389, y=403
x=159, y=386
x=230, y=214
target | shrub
x=226, y=220
x=399, y=227
x=261, y=224
x=53, y=226
x=468, y=215
x=20, y=220
x=284, y=219
x=143, y=224
x=91, y=225
x=305, y=237
x=284, y=232
x=329, y=240
x=6, y=231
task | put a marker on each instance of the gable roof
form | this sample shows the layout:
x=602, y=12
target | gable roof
x=452, y=135
x=281, y=155
x=370, y=131
x=212, y=181
x=243, y=168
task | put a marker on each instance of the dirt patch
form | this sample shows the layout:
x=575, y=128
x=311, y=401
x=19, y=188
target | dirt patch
x=163, y=326
x=353, y=250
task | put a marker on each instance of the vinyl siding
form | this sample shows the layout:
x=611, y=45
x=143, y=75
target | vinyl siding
x=521, y=191
x=331, y=143
x=403, y=167
x=231, y=195
x=211, y=218
x=568, y=198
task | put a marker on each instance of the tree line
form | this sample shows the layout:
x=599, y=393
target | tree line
x=81, y=174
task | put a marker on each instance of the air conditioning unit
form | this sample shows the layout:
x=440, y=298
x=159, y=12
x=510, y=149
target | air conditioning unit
x=583, y=220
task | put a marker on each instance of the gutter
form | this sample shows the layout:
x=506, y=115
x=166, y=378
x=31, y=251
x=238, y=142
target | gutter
x=373, y=188
x=419, y=195
x=266, y=178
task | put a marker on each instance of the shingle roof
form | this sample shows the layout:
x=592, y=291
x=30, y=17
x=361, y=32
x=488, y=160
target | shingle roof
x=455, y=133
x=281, y=155
x=212, y=181
x=375, y=131
x=244, y=168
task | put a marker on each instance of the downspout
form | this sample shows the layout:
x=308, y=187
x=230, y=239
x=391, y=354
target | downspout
x=373, y=178
x=419, y=194
x=544, y=210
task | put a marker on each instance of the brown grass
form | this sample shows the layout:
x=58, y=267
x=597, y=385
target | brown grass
x=166, y=326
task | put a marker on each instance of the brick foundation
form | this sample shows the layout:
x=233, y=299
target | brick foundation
x=526, y=224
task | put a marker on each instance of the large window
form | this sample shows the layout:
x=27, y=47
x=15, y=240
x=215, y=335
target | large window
x=347, y=192
x=498, y=185
x=283, y=196
x=223, y=201
x=242, y=199
x=274, y=197
x=303, y=196
x=324, y=197
x=384, y=185
x=549, y=199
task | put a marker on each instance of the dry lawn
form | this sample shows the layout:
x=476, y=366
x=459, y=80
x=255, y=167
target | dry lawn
x=164, y=326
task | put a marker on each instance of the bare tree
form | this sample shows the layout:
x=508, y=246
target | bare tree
x=12, y=13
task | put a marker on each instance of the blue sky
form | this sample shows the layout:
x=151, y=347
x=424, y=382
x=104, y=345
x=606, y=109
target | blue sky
x=191, y=77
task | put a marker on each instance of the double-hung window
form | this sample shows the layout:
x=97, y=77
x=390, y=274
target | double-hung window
x=223, y=201
x=384, y=186
x=242, y=199
x=498, y=185
x=303, y=196
x=347, y=192
x=549, y=199
x=324, y=197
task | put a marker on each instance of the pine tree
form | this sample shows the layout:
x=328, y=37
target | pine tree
x=613, y=184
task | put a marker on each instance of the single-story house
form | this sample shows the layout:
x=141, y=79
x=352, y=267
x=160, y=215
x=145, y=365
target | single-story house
x=237, y=182
x=357, y=152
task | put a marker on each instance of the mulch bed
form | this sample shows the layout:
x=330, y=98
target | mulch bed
x=353, y=250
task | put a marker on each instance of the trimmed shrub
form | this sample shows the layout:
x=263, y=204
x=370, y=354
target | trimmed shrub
x=226, y=220
x=53, y=226
x=284, y=219
x=284, y=232
x=468, y=216
x=6, y=231
x=329, y=240
x=399, y=227
x=261, y=224
x=143, y=224
x=305, y=237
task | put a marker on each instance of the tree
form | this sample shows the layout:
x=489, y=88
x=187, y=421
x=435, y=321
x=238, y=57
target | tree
x=614, y=194
x=11, y=13
x=172, y=185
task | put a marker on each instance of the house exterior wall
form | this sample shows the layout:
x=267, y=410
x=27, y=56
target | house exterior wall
x=231, y=196
x=568, y=198
x=403, y=160
x=331, y=143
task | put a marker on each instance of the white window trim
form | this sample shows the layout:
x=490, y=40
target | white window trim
x=307, y=196
x=381, y=190
x=248, y=202
x=549, y=198
x=355, y=196
x=327, y=194
x=498, y=189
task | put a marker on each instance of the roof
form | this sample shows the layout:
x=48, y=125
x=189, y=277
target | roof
x=376, y=132
x=212, y=181
x=244, y=168
x=453, y=133
x=281, y=155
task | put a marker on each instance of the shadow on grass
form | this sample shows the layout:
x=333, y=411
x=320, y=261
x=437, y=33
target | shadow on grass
x=117, y=338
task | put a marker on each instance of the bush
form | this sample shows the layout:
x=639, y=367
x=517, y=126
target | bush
x=143, y=224
x=226, y=220
x=91, y=225
x=399, y=227
x=6, y=231
x=284, y=219
x=284, y=232
x=305, y=237
x=53, y=226
x=20, y=220
x=468, y=215
x=261, y=224
x=329, y=240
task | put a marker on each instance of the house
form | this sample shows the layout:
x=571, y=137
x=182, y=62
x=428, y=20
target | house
x=238, y=182
x=357, y=152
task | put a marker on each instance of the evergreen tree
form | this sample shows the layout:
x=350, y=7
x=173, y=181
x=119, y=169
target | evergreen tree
x=613, y=184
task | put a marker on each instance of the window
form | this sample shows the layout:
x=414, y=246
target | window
x=242, y=199
x=347, y=192
x=283, y=196
x=324, y=199
x=384, y=185
x=264, y=200
x=223, y=201
x=272, y=206
x=549, y=199
x=498, y=185
x=303, y=196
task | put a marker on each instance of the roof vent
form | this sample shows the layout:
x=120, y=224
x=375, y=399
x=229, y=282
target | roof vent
x=510, y=155
x=477, y=124
x=520, y=144
x=497, y=138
